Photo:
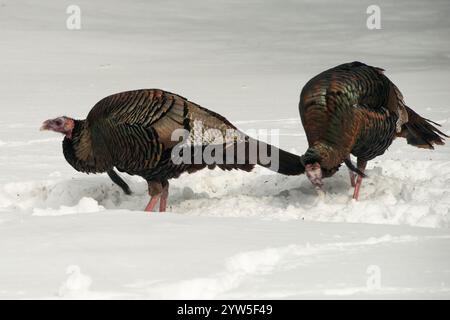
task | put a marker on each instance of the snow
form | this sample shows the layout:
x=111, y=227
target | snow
x=76, y=285
x=66, y=235
x=85, y=205
x=128, y=254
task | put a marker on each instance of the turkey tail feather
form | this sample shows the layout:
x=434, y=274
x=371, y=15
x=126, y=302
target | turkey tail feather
x=245, y=154
x=421, y=132
x=278, y=160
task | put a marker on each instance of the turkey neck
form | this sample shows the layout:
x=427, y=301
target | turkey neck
x=78, y=150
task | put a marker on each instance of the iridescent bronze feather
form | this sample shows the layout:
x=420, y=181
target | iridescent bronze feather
x=355, y=109
x=132, y=131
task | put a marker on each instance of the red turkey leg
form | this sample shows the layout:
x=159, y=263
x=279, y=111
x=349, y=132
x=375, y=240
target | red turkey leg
x=156, y=192
x=163, y=201
x=152, y=203
x=357, y=187
x=362, y=167
x=351, y=170
x=352, y=178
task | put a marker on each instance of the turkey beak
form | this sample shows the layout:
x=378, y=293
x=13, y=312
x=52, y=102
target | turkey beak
x=45, y=125
x=52, y=124
x=62, y=125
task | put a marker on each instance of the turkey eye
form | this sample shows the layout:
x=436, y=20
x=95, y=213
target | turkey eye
x=58, y=122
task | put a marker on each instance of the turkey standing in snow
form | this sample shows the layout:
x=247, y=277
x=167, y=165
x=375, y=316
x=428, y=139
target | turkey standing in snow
x=355, y=109
x=132, y=131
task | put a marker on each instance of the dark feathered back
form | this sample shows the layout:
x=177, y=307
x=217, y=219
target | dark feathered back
x=355, y=109
x=133, y=130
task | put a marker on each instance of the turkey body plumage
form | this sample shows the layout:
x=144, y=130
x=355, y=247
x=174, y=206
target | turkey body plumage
x=355, y=109
x=132, y=131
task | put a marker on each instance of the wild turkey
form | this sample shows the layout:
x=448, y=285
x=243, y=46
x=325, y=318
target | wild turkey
x=355, y=109
x=132, y=131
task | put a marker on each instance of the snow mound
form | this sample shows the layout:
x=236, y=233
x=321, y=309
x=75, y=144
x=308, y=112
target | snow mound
x=85, y=205
x=407, y=192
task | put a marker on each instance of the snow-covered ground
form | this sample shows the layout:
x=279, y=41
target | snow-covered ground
x=227, y=234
